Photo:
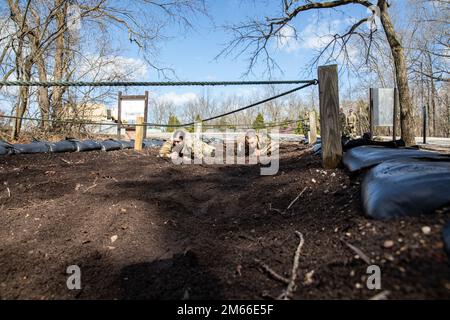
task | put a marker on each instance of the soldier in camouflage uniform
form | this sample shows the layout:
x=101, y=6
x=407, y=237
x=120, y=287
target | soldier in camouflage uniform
x=253, y=144
x=351, y=121
x=181, y=146
x=343, y=122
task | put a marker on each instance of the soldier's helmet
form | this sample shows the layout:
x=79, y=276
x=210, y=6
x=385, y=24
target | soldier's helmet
x=251, y=133
x=251, y=139
x=179, y=135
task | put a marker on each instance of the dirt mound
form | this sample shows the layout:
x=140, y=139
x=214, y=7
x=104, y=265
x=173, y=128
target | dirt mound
x=140, y=227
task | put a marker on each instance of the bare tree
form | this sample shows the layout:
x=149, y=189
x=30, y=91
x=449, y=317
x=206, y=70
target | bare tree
x=255, y=36
x=42, y=44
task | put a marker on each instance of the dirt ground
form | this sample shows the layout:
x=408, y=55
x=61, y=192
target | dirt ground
x=141, y=228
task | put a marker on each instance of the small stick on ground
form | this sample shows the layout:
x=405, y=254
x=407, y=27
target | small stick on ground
x=66, y=161
x=287, y=294
x=358, y=251
x=9, y=192
x=296, y=199
x=291, y=286
x=275, y=209
x=93, y=185
x=272, y=273
x=381, y=296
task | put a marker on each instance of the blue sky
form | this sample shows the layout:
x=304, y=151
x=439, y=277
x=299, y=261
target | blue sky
x=191, y=53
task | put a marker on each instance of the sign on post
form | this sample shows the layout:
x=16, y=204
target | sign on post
x=383, y=107
x=129, y=107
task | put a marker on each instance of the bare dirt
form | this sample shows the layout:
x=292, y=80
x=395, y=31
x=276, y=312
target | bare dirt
x=141, y=228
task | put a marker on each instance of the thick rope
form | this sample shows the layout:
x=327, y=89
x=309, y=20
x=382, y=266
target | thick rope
x=252, y=105
x=145, y=84
x=81, y=122
x=314, y=82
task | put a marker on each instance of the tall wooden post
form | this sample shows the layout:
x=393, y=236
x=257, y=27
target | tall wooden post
x=119, y=115
x=371, y=126
x=312, y=127
x=139, y=133
x=424, y=112
x=146, y=114
x=394, y=121
x=329, y=116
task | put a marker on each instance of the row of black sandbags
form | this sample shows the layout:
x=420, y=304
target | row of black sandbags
x=401, y=182
x=72, y=145
x=348, y=144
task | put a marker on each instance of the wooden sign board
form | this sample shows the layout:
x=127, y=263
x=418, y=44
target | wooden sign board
x=132, y=106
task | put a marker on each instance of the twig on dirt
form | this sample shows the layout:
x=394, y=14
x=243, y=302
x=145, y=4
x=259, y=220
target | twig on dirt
x=381, y=296
x=287, y=294
x=93, y=185
x=9, y=192
x=291, y=286
x=358, y=251
x=296, y=199
x=271, y=272
x=66, y=161
x=275, y=209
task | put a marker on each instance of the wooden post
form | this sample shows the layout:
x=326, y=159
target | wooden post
x=329, y=116
x=424, y=112
x=394, y=121
x=371, y=127
x=312, y=127
x=119, y=115
x=139, y=133
x=145, y=114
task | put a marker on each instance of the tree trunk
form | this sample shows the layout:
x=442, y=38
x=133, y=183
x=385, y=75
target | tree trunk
x=22, y=101
x=406, y=107
x=447, y=107
x=43, y=94
x=432, y=98
x=59, y=59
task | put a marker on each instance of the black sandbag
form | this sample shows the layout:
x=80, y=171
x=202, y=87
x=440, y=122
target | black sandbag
x=350, y=144
x=406, y=187
x=4, y=151
x=63, y=146
x=110, y=145
x=446, y=236
x=317, y=148
x=6, y=148
x=32, y=148
x=87, y=145
x=126, y=144
x=368, y=156
x=153, y=143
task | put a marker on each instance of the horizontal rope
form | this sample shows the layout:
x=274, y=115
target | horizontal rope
x=255, y=104
x=81, y=122
x=167, y=125
x=145, y=84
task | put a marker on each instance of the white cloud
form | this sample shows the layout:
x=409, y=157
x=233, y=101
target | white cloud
x=287, y=40
x=109, y=67
x=315, y=36
x=178, y=98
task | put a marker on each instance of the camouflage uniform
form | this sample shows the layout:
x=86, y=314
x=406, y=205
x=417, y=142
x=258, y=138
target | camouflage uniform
x=343, y=124
x=264, y=145
x=352, y=125
x=190, y=148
